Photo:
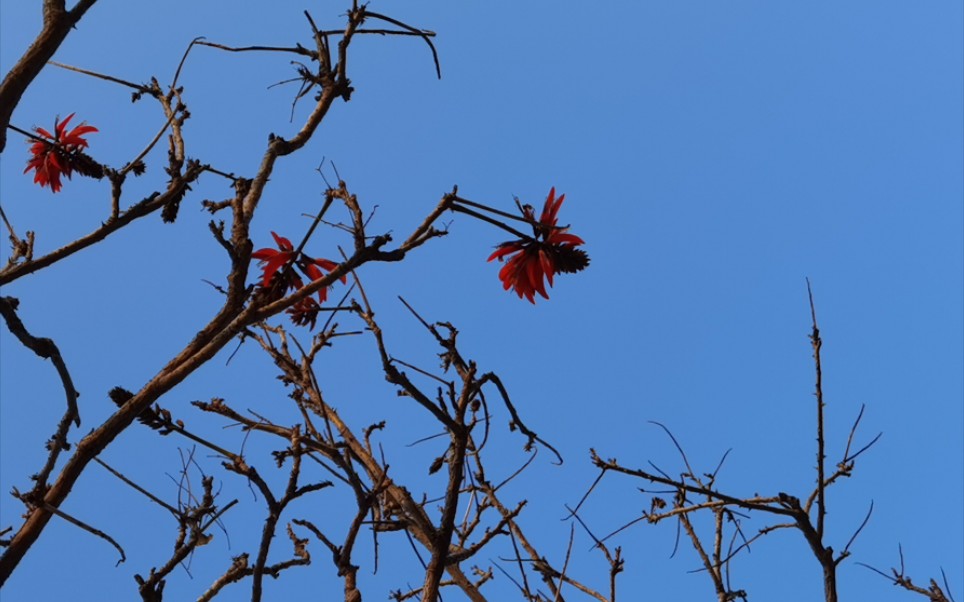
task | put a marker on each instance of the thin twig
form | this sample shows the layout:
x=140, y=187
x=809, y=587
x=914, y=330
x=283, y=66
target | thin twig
x=821, y=456
x=139, y=87
x=138, y=488
x=92, y=530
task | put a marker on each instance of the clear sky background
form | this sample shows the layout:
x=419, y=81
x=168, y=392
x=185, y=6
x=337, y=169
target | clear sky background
x=713, y=156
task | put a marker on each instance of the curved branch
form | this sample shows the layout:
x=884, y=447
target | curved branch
x=44, y=348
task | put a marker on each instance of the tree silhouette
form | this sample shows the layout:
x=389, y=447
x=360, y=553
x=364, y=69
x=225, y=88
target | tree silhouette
x=325, y=478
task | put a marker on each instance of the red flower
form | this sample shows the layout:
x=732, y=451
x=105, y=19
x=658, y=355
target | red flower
x=278, y=278
x=60, y=154
x=272, y=260
x=304, y=312
x=551, y=250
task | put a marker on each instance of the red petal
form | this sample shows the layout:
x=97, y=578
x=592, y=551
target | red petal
x=551, y=208
x=272, y=266
x=547, y=206
x=52, y=160
x=564, y=238
x=62, y=126
x=53, y=180
x=506, y=274
x=506, y=248
x=264, y=254
x=80, y=130
x=534, y=271
x=548, y=268
x=283, y=243
x=312, y=271
x=330, y=266
x=528, y=294
x=52, y=169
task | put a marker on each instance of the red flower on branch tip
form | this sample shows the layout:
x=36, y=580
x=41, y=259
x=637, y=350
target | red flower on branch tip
x=550, y=251
x=304, y=312
x=61, y=153
x=279, y=276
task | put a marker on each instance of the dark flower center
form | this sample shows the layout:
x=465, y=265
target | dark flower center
x=568, y=259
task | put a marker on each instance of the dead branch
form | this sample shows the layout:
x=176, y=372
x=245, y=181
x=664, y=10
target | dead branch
x=193, y=522
x=933, y=592
x=238, y=313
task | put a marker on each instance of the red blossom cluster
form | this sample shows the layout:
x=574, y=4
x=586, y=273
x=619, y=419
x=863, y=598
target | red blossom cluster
x=60, y=153
x=279, y=277
x=550, y=251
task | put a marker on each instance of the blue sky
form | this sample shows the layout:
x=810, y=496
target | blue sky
x=713, y=157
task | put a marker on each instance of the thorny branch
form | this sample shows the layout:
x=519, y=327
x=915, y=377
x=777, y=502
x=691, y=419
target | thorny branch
x=899, y=577
x=803, y=517
x=382, y=504
x=458, y=408
x=194, y=520
x=239, y=310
